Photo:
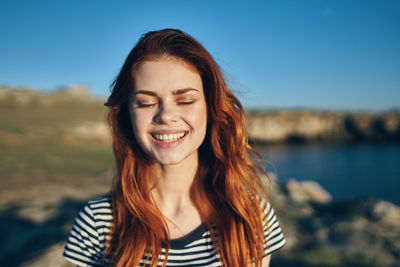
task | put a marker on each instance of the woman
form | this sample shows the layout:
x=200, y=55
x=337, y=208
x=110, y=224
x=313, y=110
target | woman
x=186, y=193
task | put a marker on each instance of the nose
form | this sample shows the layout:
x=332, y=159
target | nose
x=166, y=113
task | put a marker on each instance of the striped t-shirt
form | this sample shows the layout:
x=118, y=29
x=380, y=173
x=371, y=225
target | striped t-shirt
x=87, y=239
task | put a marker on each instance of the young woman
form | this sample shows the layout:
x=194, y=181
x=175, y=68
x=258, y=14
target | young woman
x=186, y=193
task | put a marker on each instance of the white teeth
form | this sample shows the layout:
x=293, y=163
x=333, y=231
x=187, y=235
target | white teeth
x=168, y=138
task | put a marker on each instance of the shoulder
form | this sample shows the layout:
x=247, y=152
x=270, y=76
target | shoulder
x=87, y=238
x=97, y=213
x=273, y=235
x=100, y=207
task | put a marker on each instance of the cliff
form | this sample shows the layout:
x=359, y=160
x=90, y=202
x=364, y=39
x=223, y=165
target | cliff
x=328, y=126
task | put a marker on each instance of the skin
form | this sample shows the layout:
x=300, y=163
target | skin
x=168, y=102
x=168, y=99
x=266, y=260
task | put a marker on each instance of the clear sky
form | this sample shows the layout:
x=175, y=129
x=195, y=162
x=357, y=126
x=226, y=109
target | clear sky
x=337, y=54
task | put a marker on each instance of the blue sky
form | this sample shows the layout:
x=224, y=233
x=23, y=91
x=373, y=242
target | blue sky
x=338, y=54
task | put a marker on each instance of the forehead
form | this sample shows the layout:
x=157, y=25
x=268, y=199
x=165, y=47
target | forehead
x=166, y=73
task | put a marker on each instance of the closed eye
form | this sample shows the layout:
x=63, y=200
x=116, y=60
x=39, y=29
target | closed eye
x=185, y=103
x=140, y=105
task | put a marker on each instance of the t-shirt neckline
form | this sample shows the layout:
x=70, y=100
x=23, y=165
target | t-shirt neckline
x=181, y=242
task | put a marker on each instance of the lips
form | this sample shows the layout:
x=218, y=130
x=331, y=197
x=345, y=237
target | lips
x=168, y=137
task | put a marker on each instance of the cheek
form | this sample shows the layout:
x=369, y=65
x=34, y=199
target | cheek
x=140, y=122
x=198, y=117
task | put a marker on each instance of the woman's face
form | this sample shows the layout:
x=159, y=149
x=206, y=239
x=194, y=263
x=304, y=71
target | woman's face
x=168, y=110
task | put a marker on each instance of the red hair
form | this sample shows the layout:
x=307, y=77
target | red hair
x=226, y=185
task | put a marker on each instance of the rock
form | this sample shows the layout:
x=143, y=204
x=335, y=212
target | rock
x=386, y=212
x=322, y=234
x=307, y=191
x=316, y=193
x=359, y=236
x=295, y=191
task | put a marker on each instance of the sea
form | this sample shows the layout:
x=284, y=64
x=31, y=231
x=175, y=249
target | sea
x=346, y=171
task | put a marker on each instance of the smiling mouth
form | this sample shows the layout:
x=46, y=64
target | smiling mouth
x=168, y=138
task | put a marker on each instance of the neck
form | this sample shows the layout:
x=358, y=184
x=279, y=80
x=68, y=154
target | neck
x=172, y=196
x=173, y=188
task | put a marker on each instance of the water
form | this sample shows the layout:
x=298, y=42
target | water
x=344, y=170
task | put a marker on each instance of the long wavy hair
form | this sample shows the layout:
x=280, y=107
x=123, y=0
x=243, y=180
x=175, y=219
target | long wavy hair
x=226, y=188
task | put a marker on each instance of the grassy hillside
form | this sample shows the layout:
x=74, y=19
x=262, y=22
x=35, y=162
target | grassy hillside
x=55, y=154
x=52, y=138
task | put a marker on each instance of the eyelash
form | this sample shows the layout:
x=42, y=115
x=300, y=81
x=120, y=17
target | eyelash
x=145, y=105
x=186, y=103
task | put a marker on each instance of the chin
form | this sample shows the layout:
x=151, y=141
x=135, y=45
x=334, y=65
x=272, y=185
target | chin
x=175, y=159
x=169, y=161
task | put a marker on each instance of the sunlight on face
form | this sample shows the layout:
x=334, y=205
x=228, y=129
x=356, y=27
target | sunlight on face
x=168, y=110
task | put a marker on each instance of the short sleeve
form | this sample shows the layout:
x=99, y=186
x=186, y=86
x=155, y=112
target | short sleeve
x=273, y=236
x=83, y=246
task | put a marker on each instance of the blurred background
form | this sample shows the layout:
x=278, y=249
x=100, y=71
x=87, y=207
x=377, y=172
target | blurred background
x=320, y=82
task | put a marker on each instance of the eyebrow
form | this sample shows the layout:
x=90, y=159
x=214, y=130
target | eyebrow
x=145, y=92
x=176, y=92
x=183, y=91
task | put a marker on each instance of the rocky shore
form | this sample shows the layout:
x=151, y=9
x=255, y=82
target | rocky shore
x=319, y=231
x=322, y=232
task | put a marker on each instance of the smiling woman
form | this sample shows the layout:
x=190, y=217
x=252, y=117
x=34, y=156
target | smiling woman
x=186, y=193
x=168, y=111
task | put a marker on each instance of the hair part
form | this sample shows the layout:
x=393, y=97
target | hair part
x=226, y=182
